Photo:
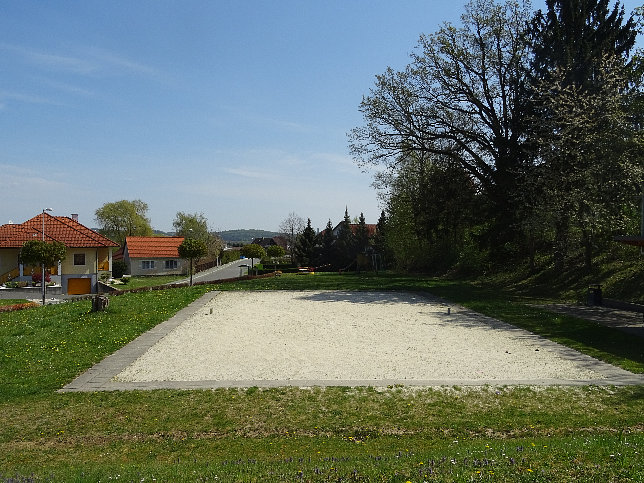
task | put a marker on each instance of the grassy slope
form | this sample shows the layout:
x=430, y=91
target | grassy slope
x=620, y=273
x=508, y=434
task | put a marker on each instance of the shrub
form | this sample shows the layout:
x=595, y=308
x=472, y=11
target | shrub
x=230, y=256
x=12, y=308
x=253, y=251
x=37, y=276
x=119, y=267
x=125, y=280
x=275, y=251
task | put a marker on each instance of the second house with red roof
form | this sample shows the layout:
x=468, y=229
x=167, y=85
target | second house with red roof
x=153, y=255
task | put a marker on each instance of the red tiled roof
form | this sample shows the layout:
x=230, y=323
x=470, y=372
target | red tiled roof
x=371, y=228
x=57, y=228
x=13, y=236
x=118, y=254
x=153, y=246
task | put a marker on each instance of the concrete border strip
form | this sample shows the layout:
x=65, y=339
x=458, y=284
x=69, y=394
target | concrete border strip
x=99, y=377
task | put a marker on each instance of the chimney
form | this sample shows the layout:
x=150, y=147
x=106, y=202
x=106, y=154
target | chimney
x=75, y=216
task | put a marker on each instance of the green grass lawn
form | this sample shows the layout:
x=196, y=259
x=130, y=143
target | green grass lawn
x=314, y=434
x=136, y=282
x=13, y=301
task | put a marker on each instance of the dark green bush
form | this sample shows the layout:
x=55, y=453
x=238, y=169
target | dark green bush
x=230, y=256
x=119, y=267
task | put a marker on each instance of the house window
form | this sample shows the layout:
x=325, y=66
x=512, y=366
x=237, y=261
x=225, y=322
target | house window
x=79, y=259
x=171, y=264
x=147, y=264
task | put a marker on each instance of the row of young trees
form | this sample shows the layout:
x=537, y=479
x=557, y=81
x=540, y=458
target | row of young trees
x=512, y=134
x=120, y=219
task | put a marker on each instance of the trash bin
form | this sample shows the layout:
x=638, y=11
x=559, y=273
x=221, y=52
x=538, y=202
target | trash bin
x=594, y=295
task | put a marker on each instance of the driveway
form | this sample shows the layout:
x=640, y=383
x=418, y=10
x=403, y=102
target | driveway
x=229, y=270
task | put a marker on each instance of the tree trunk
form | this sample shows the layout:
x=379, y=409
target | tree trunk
x=532, y=253
x=561, y=243
x=588, y=249
x=100, y=303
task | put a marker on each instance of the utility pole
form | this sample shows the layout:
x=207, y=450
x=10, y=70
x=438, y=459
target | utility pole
x=42, y=273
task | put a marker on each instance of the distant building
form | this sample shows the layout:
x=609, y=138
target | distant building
x=371, y=229
x=266, y=242
x=89, y=254
x=153, y=255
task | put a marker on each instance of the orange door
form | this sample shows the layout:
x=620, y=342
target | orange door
x=79, y=286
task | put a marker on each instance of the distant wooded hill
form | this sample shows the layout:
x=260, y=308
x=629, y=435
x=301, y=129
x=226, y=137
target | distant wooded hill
x=230, y=236
x=244, y=236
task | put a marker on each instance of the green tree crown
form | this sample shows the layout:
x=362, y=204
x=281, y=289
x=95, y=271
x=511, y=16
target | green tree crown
x=123, y=218
x=253, y=251
x=275, y=251
x=37, y=252
x=192, y=249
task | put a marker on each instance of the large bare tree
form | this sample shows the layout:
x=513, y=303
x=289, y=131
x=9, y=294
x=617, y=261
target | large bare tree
x=290, y=228
x=459, y=100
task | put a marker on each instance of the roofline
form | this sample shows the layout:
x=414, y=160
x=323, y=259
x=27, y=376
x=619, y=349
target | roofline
x=35, y=228
x=95, y=236
x=155, y=237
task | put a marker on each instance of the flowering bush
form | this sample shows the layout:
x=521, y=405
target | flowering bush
x=11, y=308
x=36, y=277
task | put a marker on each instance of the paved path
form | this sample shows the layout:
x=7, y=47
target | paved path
x=101, y=376
x=631, y=322
x=222, y=272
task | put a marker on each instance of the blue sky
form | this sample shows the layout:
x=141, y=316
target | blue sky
x=235, y=109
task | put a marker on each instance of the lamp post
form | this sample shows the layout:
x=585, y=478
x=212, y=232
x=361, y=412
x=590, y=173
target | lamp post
x=190, y=230
x=42, y=278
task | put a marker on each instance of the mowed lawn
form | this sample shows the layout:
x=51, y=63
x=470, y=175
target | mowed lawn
x=309, y=434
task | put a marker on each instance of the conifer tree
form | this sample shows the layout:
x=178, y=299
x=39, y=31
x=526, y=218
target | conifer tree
x=379, y=238
x=584, y=139
x=305, y=245
x=346, y=242
x=577, y=35
x=362, y=235
x=328, y=245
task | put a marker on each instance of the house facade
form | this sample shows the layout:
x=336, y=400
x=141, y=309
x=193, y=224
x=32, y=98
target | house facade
x=266, y=242
x=153, y=255
x=371, y=229
x=89, y=254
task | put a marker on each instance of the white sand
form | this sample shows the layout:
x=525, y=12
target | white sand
x=260, y=336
